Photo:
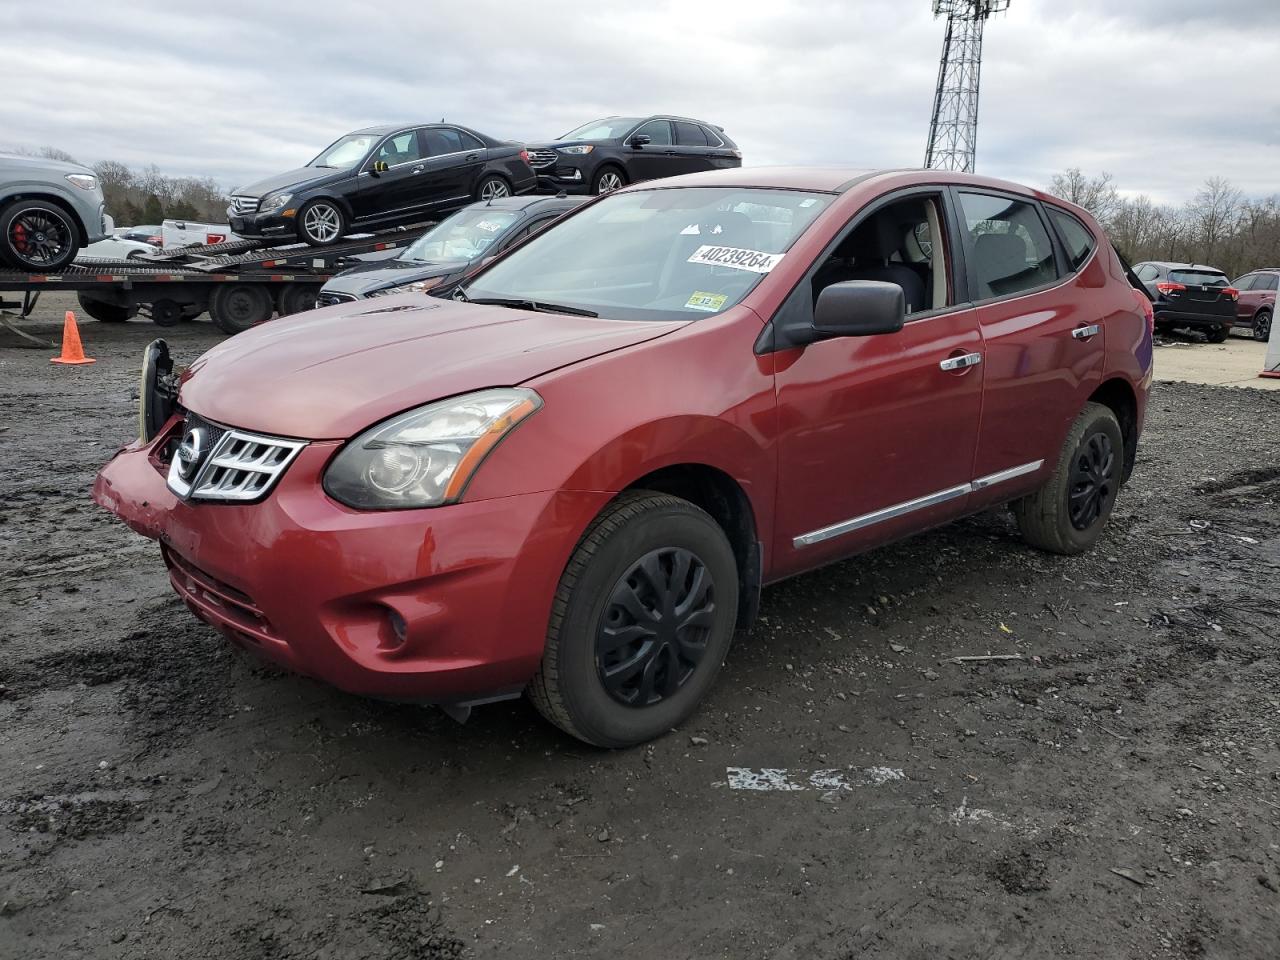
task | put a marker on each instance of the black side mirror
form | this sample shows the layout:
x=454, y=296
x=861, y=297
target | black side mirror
x=859, y=308
x=640, y=139
x=379, y=167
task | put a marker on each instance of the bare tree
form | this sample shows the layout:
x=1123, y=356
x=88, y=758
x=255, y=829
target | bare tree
x=1097, y=194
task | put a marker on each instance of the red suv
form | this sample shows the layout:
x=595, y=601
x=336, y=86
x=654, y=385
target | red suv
x=1257, y=303
x=574, y=478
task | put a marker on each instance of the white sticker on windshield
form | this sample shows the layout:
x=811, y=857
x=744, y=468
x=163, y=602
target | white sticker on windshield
x=736, y=258
x=489, y=226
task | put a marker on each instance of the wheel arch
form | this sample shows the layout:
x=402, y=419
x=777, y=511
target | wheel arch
x=1118, y=395
x=720, y=495
x=58, y=201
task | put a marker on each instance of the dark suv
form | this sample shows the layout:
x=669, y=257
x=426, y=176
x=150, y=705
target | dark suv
x=607, y=154
x=380, y=177
x=1257, y=303
x=1190, y=295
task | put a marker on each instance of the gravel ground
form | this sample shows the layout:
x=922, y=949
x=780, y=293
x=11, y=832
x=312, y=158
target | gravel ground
x=1113, y=792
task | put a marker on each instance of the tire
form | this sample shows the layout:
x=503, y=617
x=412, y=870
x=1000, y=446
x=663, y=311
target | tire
x=238, y=306
x=192, y=310
x=166, y=313
x=105, y=312
x=492, y=187
x=295, y=298
x=1046, y=517
x=321, y=222
x=637, y=532
x=1164, y=329
x=37, y=236
x=1262, y=325
x=1217, y=334
x=608, y=178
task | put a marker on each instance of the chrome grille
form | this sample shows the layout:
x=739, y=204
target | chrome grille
x=541, y=158
x=243, y=205
x=218, y=463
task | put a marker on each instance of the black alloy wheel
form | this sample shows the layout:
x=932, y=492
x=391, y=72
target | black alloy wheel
x=1262, y=326
x=654, y=629
x=1093, y=481
x=38, y=236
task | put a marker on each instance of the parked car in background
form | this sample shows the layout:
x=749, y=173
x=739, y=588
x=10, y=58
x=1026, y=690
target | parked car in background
x=116, y=248
x=145, y=234
x=49, y=210
x=182, y=233
x=1257, y=303
x=1190, y=296
x=380, y=177
x=606, y=154
x=451, y=249
x=575, y=475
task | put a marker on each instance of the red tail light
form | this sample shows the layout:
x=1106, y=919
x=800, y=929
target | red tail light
x=1231, y=293
x=1168, y=287
x=1144, y=303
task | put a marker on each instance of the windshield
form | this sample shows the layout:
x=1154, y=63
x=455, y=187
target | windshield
x=1199, y=277
x=345, y=153
x=610, y=129
x=656, y=254
x=463, y=236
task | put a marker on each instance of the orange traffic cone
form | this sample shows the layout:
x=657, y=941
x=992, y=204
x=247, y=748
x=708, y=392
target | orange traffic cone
x=72, y=349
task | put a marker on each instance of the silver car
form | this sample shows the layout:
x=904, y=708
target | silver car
x=49, y=209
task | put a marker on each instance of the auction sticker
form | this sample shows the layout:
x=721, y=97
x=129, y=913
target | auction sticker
x=489, y=226
x=736, y=258
x=701, y=300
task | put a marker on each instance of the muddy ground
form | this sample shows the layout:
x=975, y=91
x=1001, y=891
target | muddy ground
x=1113, y=793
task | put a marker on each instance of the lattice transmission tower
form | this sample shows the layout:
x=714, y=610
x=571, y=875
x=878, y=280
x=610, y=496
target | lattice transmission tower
x=953, y=132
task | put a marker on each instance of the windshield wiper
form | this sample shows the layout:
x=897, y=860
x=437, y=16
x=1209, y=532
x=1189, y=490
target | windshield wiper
x=537, y=305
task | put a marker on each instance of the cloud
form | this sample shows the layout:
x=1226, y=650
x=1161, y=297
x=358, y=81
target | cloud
x=1162, y=94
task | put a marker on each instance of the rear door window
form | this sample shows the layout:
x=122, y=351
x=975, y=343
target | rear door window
x=439, y=142
x=1008, y=246
x=658, y=132
x=1076, y=238
x=713, y=138
x=1148, y=272
x=690, y=134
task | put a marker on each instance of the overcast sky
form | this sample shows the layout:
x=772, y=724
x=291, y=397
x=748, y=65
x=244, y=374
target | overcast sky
x=1162, y=93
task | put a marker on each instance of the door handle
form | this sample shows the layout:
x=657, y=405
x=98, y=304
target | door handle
x=962, y=362
x=1086, y=332
x=418, y=168
x=473, y=156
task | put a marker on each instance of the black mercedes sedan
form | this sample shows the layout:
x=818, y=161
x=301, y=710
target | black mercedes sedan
x=606, y=154
x=381, y=177
x=451, y=249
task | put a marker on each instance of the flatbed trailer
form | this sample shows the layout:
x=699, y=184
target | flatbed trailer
x=240, y=283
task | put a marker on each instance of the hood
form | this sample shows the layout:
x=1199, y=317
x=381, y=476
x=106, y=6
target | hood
x=553, y=144
x=301, y=177
x=15, y=161
x=376, y=274
x=328, y=374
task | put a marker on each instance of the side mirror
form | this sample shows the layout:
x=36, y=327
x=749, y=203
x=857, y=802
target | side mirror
x=379, y=167
x=859, y=308
x=640, y=139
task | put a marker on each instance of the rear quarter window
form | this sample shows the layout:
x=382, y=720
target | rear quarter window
x=1076, y=238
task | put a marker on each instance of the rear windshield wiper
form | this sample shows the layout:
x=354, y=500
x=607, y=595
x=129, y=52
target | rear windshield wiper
x=538, y=305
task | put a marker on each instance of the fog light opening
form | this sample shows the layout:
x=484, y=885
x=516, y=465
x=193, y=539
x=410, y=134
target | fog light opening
x=399, y=629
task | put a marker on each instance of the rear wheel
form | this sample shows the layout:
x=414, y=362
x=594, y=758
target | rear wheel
x=1262, y=325
x=1068, y=514
x=1217, y=334
x=38, y=236
x=493, y=188
x=641, y=622
x=608, y=179
x=321, y=222
x=105, y=312
x=166, y=313
x=238, y=306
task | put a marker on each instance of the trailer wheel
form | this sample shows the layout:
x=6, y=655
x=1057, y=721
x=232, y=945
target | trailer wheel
x=297, y=297
x=192, y=310
x=105, y=312
x=238, y=306
x=166, y=313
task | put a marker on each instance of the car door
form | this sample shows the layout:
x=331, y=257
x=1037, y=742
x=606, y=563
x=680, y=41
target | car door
x=1043, y=330
x=1247, y=301
x=876, y=434
x=655, y=159
x=392, y=192
x=452, y=166
x=693, y=150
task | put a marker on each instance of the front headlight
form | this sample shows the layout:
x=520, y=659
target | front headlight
x=425, y=457
x=576, y=151
x=82, y=180
x=417, y=286
x=274, y=202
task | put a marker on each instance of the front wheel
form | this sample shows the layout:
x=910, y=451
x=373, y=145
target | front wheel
x=1068, y=514
x=1217, y=334
x=640, y=624
x=37, y=236
x=608, y=180
x=321, y=222
x=1262, y=326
